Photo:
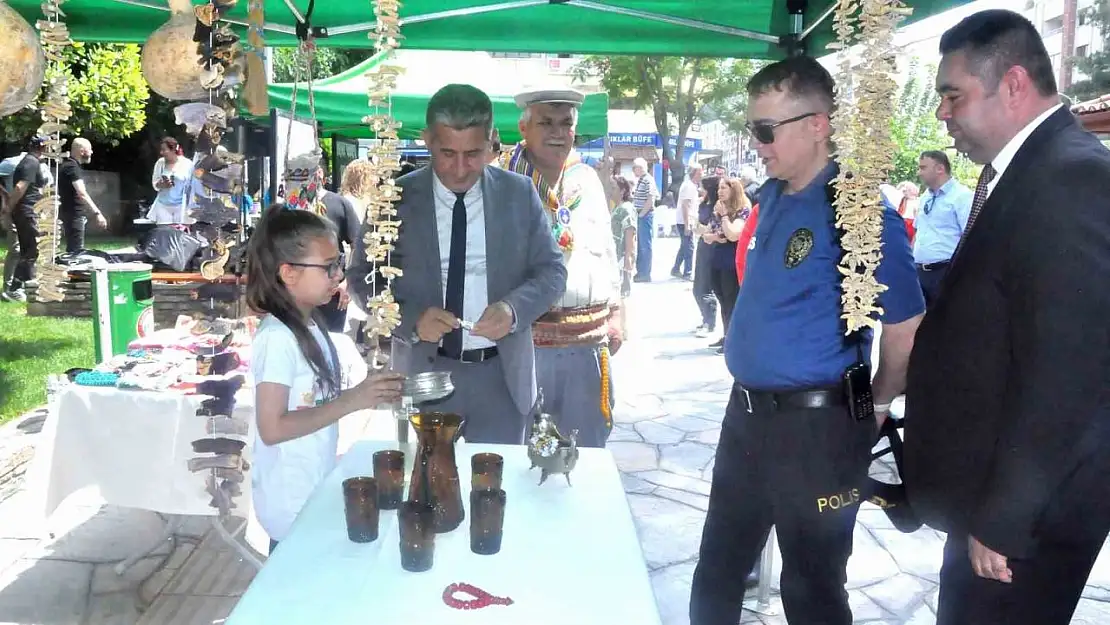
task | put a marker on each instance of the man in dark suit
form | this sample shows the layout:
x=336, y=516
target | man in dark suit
x=1008, y=423
x=475, y=246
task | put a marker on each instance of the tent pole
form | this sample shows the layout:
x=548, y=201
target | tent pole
x=295, y=11
x=793, y=43
x=824, y=16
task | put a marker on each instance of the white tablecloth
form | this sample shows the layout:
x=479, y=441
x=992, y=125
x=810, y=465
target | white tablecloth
x=570, y=555
x=133, y=446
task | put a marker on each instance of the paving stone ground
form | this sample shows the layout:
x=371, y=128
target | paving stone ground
x=671, y=392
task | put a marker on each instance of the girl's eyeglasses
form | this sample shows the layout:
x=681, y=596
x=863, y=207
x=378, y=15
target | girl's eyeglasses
x=764, y=132
x=333, y=269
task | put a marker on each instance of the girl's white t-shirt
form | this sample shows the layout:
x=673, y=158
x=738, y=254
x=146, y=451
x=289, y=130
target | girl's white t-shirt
x=285, y=474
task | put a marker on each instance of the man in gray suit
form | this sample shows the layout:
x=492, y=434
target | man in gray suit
x=475, y=246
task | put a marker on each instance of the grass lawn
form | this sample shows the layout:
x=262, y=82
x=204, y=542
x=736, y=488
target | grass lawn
x=33, y=347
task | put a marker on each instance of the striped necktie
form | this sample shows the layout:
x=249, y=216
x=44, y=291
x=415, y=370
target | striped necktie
x=977, y=202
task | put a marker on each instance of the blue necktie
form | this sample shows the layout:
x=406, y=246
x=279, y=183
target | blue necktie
x=456, y=276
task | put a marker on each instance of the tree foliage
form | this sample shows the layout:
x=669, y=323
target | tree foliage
x=106, y=90
x=677, y=90
x=328, y=62
x=915, y=129
x=1096, y=66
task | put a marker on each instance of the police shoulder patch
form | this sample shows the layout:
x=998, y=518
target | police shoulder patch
x=798, y=247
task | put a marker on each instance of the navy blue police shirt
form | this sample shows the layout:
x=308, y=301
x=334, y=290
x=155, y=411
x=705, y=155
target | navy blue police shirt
x=786, y=330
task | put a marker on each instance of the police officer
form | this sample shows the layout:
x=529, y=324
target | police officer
x=791, y=454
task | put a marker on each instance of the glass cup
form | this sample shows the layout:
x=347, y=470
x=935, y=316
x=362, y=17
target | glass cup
x=487, y=520
x=400, y=361
x=360, y=499
x=485, y=471
x=417, y=529
x=389, y=472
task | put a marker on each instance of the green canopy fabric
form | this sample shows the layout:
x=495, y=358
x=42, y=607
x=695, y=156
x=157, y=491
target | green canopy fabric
x=720, y=28
x=341, y=100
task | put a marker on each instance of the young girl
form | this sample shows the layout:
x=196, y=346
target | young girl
x=293, y=267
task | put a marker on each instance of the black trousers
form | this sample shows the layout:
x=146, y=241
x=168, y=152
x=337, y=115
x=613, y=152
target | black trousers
x=27, y=231
x=73, y=230
x=799, y=471
x=703, y=284
x=930, y=281
x=684, y=259
x=726, y=286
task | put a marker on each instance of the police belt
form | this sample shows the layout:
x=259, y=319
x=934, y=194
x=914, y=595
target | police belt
x=775, y=401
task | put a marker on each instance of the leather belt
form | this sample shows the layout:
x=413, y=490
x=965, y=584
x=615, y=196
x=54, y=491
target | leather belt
x=472, y=355
x=775, y=401
x=933, y=266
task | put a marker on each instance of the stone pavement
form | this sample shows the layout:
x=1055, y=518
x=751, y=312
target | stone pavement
x=671, y=392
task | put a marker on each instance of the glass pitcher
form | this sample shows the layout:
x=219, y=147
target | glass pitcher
x=435, y=474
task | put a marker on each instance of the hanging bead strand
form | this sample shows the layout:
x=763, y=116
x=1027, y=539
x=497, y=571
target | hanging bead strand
x=385, y=157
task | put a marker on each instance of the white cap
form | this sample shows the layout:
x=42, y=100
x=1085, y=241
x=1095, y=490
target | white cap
x=639, y=162
x=557, y=95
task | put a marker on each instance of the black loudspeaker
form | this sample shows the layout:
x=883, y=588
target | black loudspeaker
x=255, y=138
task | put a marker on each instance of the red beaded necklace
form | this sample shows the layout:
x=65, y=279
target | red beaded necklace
x=481, y=599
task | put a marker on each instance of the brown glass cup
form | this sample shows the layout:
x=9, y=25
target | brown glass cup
x=487, y=520
x=485, y=471
x=389, y=472
x=418, y=535
x=360, y=499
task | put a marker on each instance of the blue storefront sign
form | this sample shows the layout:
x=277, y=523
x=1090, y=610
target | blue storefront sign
x=641, y=139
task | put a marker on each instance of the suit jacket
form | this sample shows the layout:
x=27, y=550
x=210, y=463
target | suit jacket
x=524, y=268
x=1008, y=402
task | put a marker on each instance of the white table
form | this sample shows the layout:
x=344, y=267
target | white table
x=569, y=555
x=133, y=447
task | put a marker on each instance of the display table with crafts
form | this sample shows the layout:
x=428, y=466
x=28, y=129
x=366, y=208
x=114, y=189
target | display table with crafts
x=569, y=554
x=149, y=432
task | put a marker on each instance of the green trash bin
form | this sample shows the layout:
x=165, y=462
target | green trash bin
x=123, y=306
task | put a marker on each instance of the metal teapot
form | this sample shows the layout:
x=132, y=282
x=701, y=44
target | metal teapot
x=548, y=449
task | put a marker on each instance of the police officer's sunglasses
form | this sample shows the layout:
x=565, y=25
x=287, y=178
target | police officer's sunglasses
x=764, y=132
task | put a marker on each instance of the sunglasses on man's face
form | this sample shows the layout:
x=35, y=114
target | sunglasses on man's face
x=764, y=131
x=333, y=268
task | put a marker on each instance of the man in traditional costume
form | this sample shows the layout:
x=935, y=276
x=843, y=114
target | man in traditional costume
x=575, y=338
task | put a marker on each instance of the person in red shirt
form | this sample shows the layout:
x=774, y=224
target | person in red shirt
x=745, y=242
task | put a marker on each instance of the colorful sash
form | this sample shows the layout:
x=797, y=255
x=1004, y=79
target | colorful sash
x=560, y=214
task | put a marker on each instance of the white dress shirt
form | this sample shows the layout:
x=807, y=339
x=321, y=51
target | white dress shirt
x=475, y=288
x=1007, y=153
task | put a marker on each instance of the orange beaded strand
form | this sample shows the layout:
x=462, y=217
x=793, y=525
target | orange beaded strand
x=606, y=410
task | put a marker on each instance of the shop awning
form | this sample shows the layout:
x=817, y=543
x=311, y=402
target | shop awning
x=341, y=100
x=719, y=28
